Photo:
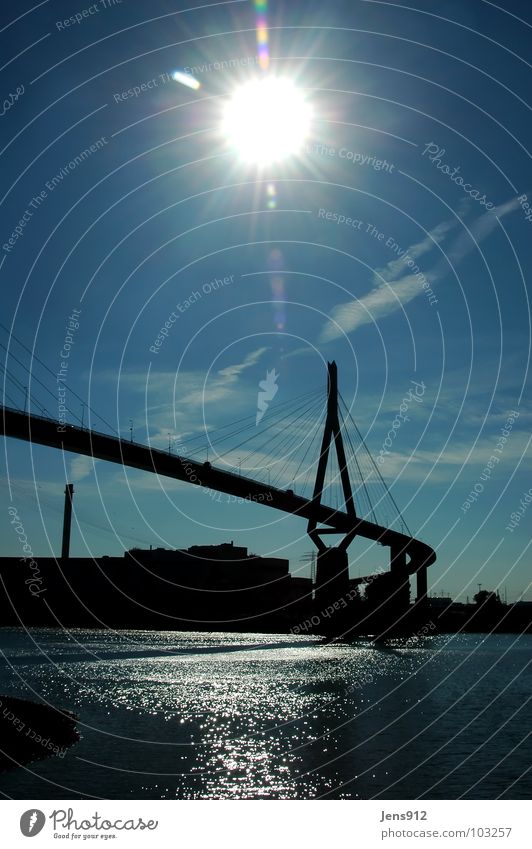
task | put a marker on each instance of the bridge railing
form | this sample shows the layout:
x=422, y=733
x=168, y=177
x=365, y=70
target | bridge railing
x=116, y=436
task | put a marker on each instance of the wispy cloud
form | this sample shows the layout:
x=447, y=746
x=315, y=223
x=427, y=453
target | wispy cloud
x=385, y=298
x=458, y=459
x=232, y=372
x=480, y=230
x=396, y=267
x=376, y=304
x=81, y=467
x=178, y=402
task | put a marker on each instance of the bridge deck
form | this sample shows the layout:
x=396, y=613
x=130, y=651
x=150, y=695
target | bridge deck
x=44, y=431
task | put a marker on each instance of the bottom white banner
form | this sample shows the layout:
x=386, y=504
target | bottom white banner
x=258, y=824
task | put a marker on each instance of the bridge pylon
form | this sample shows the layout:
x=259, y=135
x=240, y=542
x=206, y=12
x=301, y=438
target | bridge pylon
x=332, y=570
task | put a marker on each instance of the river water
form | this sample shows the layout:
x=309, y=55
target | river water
x=166, y=715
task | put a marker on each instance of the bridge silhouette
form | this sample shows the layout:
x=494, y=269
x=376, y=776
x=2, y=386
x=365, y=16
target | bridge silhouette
x=409, y=556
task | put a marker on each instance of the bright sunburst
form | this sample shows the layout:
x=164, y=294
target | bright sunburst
x=266, y=120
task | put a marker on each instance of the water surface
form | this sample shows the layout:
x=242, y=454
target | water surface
x=193, y=715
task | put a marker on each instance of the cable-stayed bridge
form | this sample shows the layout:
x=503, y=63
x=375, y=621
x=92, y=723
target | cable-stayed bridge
x=286, y=464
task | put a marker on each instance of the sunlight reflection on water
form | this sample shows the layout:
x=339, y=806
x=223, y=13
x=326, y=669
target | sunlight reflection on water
x=166, y=715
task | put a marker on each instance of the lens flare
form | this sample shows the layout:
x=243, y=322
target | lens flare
x=271, y=193
x=185, y=79
x=261, y=8
x=277, y=285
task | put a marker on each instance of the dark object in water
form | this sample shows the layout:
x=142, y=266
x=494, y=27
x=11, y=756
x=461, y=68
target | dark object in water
x=30, y=731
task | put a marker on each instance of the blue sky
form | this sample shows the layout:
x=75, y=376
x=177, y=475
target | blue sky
x=420, y=136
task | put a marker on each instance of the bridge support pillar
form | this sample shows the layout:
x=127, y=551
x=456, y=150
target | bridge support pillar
x=421, y=585
x=397, y=559
x=332, y=584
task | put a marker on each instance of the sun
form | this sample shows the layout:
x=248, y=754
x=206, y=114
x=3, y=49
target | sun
x=266, y=120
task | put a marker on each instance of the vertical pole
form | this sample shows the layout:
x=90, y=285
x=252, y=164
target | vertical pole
x=67, y=521
x=421, y=584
